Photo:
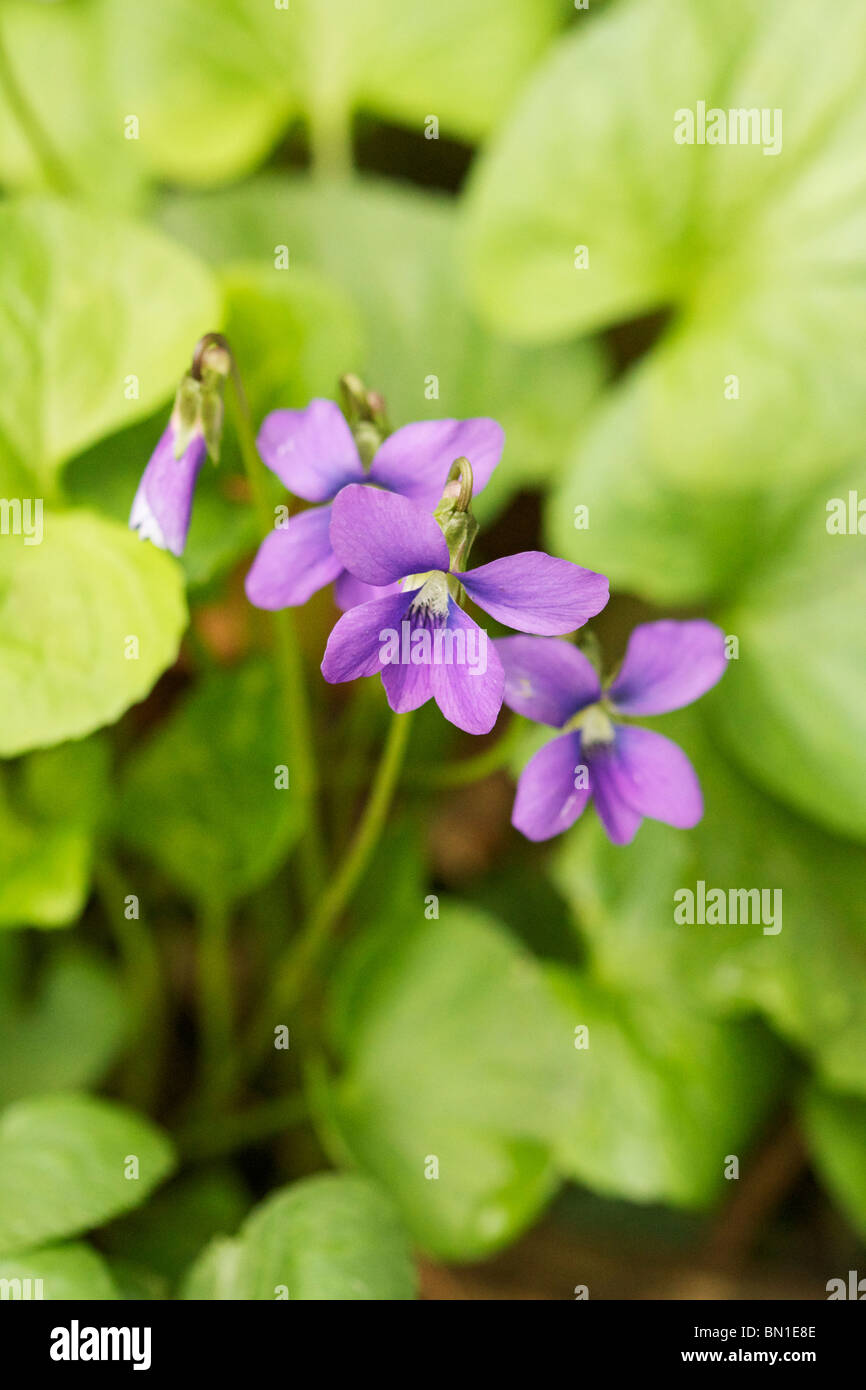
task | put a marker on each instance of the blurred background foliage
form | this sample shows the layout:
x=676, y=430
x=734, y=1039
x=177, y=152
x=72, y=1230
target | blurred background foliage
x=174, y=150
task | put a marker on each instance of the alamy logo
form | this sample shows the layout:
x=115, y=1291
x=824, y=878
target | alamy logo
x=847, y=517
x=76, y=1343
x=438, y=646
x=855, y=1287
x=715, y=907
x=22, y=517
x=21, y=1290
x=738, y=126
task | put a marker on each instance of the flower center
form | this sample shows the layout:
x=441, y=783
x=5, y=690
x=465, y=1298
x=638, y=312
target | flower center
x=595, y=725
x=432, y=594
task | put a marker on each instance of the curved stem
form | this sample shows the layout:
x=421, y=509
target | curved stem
x=144, y=984
x=52, y=166
x=460, y=774
x=329, y=127
x=298, y=962
x=201, y=1139
x=287, y=650
x=215, y=1005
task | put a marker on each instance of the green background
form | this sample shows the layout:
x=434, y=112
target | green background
x=182, y=147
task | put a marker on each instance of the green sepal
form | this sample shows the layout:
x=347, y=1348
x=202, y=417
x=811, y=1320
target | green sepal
x=212, y=413
x=186, y=414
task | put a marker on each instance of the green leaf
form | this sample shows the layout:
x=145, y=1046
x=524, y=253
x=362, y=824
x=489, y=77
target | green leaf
x=166, y=1234
x=294, y=332
x=661, y=1095
x=65, y=1036
x=421, y=337
x=223, y=526
x=464, y=1093
x=65, y=69
x=48, y=808
x=293, y=335
x=201, y=798
x=835, y=1127
x=809, y=979
x=64, y=1162
x=211, y=98
x=461, y=61
x=67, y=610
x=45, y=870
x=647, y=533
x=435, y=1019
x=328, y=1237
x=794, y=716
x=135, y=1283
x=760, y=258
x=72, y=1271
x=88, y=302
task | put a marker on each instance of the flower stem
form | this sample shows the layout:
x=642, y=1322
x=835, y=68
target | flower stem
x=331, y=144
x=215, y=1005
x=329, y=113
x=289, y=663
x=201, y=1139
x=461, y=773
x=145, y=986
x=43, y=150
x=293, y=970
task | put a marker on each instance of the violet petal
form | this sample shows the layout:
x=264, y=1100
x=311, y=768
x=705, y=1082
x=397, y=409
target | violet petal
x=619, y=819
x=468, y=689
x=355, y=644
x=162, y=504
x=539, y=593
x=545, y=679
x=407, y=684
x=642, y=773
x=312, y=451
x=668, y=664
x=349, y=591
x=547, y=800
x=293, y=562
x=416, y=459
x=380, y=537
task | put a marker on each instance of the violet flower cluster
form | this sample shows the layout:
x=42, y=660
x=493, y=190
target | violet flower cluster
x=313, y=452
x=629, y=772
x=385, y=540
x=394, y=538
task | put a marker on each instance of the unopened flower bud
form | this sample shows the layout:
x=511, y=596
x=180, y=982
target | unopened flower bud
x=186, y=415
x=453, y=513
x=212, y=416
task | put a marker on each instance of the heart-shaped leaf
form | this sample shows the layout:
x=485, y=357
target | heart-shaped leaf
x=70, y=1163
x=89, y=619
x=326, y=1238
x=595, y=206
x=98, y=319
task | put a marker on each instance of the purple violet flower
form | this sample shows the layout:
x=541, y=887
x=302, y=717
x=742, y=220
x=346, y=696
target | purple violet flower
x=314, y=453
x=163, y=502
x=416, y=635
x=630, y=772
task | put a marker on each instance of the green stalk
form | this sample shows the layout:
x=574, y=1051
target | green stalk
x=145, y=987
x=298, y=962
x=466, y=770
x=330, y=135
x=289, y=666
x=267, y=1120
x=215, y=1003
x=52, y=166
x=329, y=111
